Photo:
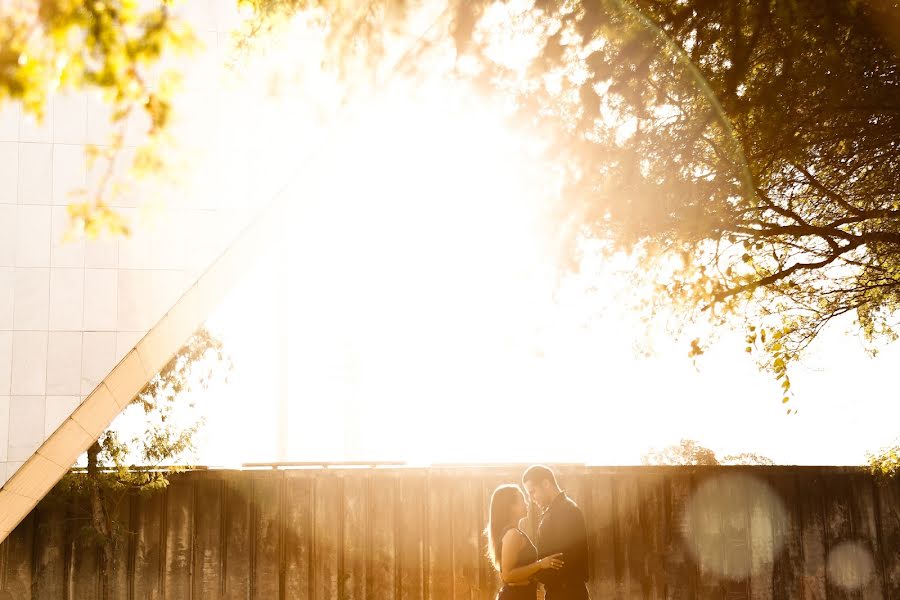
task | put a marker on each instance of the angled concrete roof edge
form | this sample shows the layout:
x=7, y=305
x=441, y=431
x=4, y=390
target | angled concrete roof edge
x=37, y=476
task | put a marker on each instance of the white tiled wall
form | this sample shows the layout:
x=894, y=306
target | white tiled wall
x=69, y=311
x=98, y=353
x=27, y=413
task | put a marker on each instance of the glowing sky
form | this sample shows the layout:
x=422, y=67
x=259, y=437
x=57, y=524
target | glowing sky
x=422, y=322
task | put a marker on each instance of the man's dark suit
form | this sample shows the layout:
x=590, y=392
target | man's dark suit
x=562, y=530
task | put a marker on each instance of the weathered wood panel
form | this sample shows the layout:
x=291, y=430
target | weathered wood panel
x=709, y=537
x=208, y=538
x=629, y=549
x=179, y=543
x=681, y=569
x=466, y=525
x=148, y=558
x=238, y=537
x=327, y=536
x=85, y=565
x=600, y=523
x=889, y=521
x=655, y=529
x=812, y=504
x=385, y=520
x=865, y=528
x=118, y=581
x=355, y=537
x=787, y=580
x=838, y=530
x=383, y=534
x=18, y=575
x=413, y=537
x=49, y=552
x=439, y=547
x=298, y=535
x=266, y=515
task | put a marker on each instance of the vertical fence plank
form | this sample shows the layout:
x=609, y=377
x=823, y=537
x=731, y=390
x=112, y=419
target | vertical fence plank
x=707, y=536
x=735, y=514
x=177, y=570
x=787, y=573
x=355, y=536
x=465, y=497
x=384, y=521
x=328, y=536
x=440, y=537
x=208, y=541
x=812, y=528
x=631, y=571
x=83, y=552
x=865, y=530
x=682, y=576
x=85, y=569
x=238, y=538
x=599, y=520
x=118, y=579
x=412, y=534
x=49, y=546
x=655, y=528
x=767, y=521
x=889, y=511
x=19, y=567
x=298, y=536
x=267, y=534
x=148, y=549
x=838, y=529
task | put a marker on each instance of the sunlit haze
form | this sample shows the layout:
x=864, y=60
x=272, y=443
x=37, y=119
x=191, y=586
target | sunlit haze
x=417, y=313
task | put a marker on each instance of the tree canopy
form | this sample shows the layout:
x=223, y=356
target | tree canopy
x=690, y=452
x=111, y=47
x=758, y=143
x=746, y=151
x=125, y=461
x=886, y=461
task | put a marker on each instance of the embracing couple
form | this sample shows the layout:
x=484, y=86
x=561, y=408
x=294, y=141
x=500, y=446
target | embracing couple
x=558, y=561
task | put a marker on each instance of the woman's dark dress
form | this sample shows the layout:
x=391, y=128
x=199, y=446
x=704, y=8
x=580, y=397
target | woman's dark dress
x=527, y=555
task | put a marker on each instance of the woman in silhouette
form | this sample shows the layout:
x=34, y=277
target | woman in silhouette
x=510, y=550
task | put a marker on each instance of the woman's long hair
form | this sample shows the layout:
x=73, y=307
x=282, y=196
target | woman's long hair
x=500, y=518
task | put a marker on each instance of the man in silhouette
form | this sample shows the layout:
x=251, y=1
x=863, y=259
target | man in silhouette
x=561, y=530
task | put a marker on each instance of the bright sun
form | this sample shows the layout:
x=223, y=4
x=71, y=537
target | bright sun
x=418, y=276
x=414, y=311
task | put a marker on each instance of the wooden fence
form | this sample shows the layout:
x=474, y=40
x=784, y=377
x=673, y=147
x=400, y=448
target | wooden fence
x=385, y=534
